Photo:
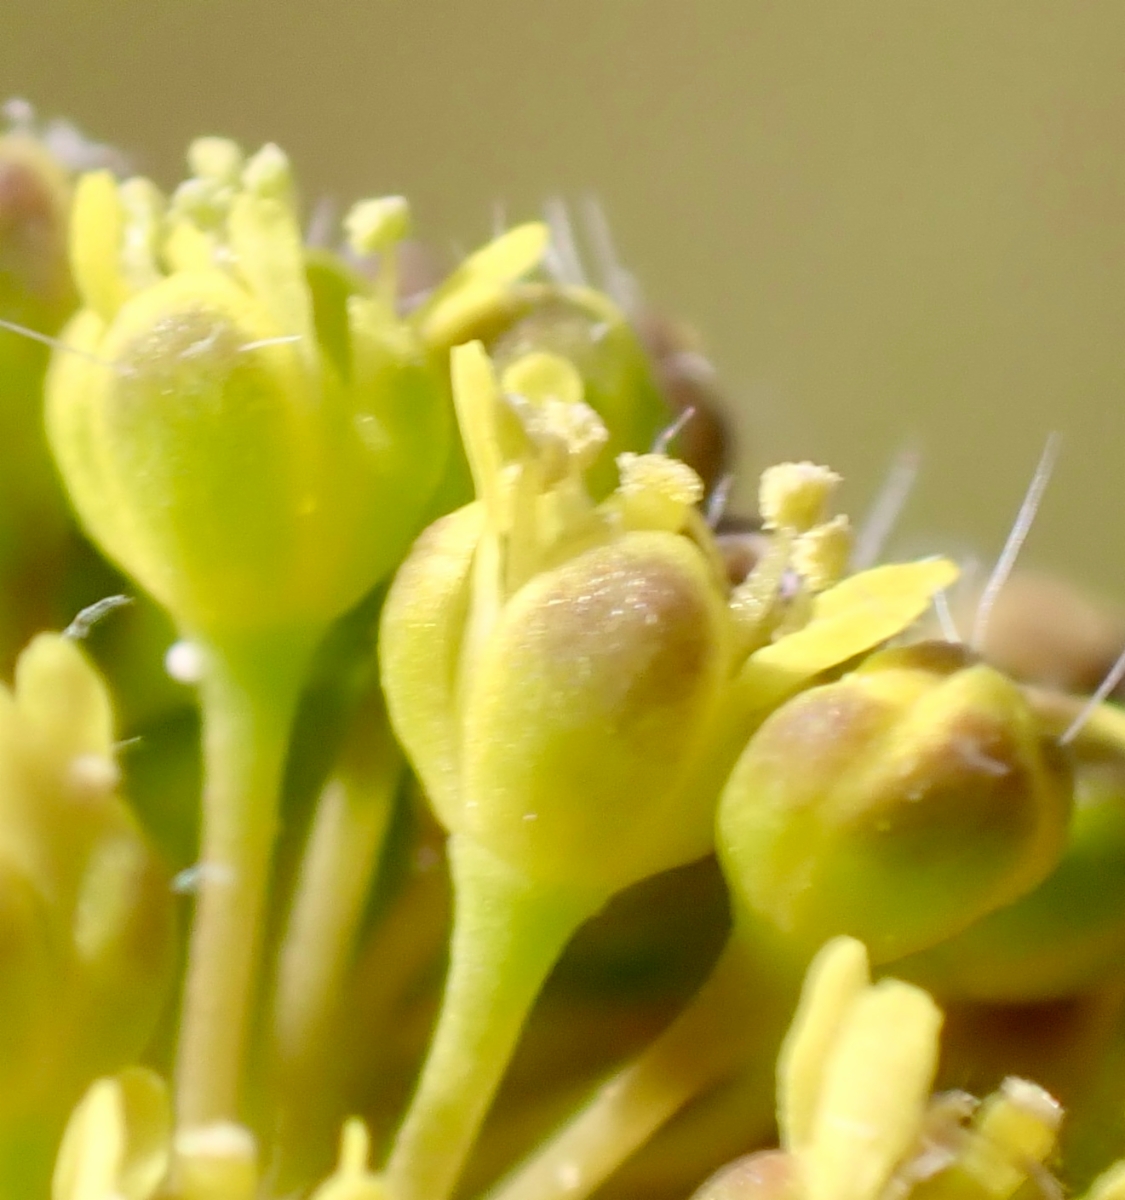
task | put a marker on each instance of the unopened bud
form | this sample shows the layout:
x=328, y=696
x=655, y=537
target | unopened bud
x=602, y=675
x=897, y=805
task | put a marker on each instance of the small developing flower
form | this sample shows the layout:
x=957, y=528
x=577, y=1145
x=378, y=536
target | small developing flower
x=854, y=1075
x=898, y=805
x=854, y=1110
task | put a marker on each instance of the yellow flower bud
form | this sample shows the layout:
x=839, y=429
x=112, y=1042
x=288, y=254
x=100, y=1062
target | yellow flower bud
x=88, y=906
x=554, y=708
x=257, y=455
x=898, y=805
x=583, y=711
x=116, y=1145
x=551, y=667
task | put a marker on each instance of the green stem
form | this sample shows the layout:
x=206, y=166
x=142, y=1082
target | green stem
x=335, y=878
x=507, y=935
x=734, y=1024
x=248, y=697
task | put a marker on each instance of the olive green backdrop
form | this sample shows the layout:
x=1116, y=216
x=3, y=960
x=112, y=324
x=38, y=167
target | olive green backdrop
x=893, y=221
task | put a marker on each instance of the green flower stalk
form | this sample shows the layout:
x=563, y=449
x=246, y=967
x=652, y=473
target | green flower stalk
x=256, y=448
x=349, y=828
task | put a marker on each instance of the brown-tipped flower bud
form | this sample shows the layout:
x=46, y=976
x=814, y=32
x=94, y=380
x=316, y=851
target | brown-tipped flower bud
x=1066, y=935
x=602, y=675
x=36, y=296
x=35, y=284
x=897, y=805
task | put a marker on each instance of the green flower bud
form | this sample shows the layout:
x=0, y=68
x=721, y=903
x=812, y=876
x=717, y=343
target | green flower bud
x=1066, y=935
x=255, y=453
x=897, y=805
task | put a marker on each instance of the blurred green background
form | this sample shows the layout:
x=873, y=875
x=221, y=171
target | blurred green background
x=894, y=222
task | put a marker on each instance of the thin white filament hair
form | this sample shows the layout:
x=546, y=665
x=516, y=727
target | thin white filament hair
x=563, y=259
x=1113, y=677
x=670, y=432
x=944, y=614
x=718, y=500
x=886, y=509
x=617, y=281
x=284, y=339
x=55, y=343
x=1016, y=539
x=92, y=614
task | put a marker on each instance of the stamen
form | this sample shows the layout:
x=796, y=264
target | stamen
x=1016, y=538
x=884, y=513
x=1113, y=677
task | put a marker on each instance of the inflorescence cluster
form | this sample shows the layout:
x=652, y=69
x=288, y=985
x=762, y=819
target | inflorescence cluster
x=433, y=604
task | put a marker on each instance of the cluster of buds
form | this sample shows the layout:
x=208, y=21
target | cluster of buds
x=446, y=596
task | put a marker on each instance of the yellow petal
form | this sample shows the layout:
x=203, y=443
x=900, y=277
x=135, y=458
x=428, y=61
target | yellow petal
x=837, y=975
x=97, y=228
x=476, y=285
x=848, y=619
x=92, y=1147
x=875, y=1087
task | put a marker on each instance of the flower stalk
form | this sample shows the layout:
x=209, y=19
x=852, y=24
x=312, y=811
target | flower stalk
x=249, y=697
